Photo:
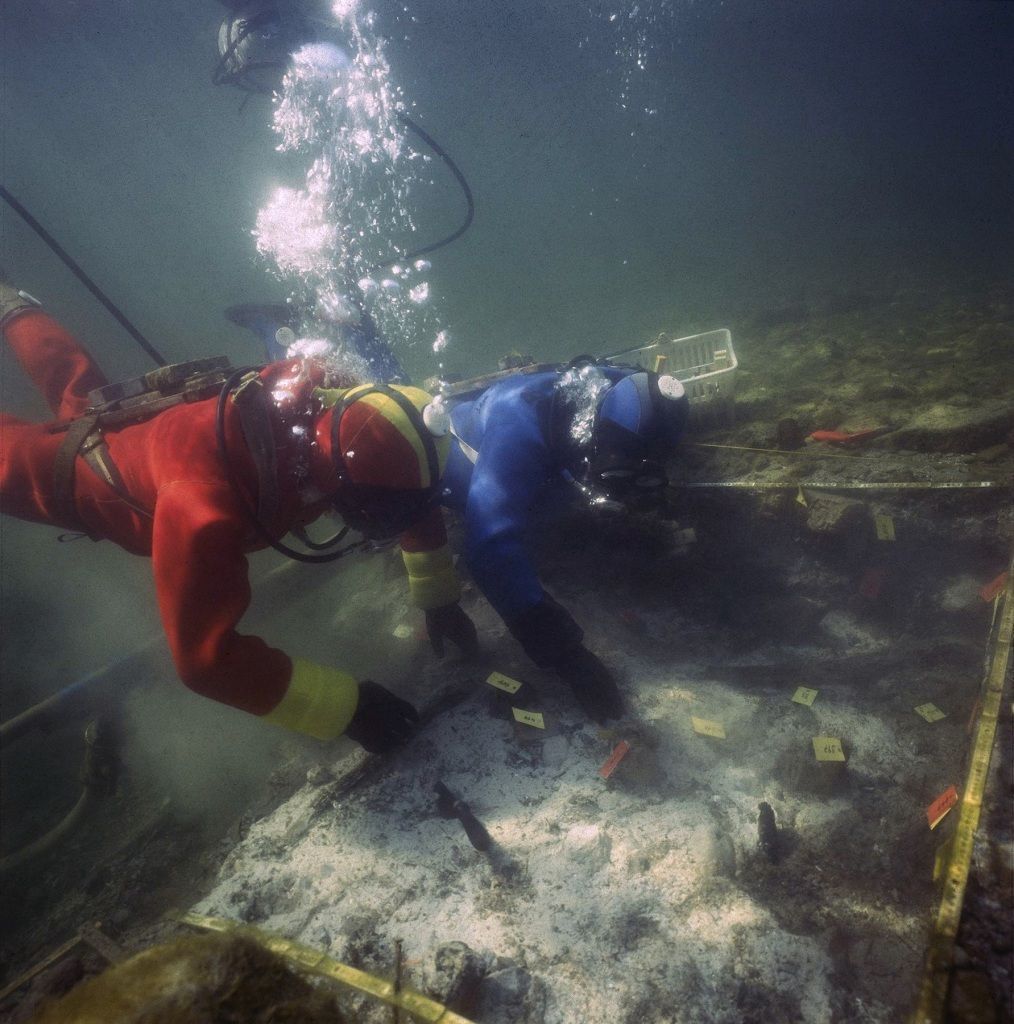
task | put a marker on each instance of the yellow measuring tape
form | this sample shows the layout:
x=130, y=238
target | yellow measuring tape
x=933, y=994
x=309, y=959
x=846, y=485
x=791, y=452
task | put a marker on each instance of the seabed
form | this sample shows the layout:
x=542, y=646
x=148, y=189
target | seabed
x=804, y=644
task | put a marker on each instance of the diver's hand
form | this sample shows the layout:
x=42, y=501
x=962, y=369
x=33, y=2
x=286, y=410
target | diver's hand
x=593, y=685
x=382, y=721
x=449, y=622
x=546, y=631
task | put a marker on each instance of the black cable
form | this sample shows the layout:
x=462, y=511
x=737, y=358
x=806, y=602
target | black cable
x=318, y=545
x=82, y=277
x=250, y=513
x=240, y=78
x=459, y=177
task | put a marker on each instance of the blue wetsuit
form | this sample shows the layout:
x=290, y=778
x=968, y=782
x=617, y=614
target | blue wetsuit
x=509, y=431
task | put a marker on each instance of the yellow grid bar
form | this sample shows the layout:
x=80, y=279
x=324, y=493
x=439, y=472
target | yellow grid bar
x=932, y=1002
x=309, y=959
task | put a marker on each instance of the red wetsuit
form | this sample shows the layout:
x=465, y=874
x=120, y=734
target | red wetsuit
x=197, y=534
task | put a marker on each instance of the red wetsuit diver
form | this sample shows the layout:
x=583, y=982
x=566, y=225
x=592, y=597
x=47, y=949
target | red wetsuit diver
x=370, y=456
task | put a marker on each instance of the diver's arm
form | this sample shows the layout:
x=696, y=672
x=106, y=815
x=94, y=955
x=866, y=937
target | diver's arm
x=203, y=591
x=512, y=469
x=433, y=585
x=432, y=581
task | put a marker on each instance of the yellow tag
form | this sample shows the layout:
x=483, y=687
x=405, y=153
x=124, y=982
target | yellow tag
x=403, y=631
x=828, y=748
x=885, y=527
x=502, y=682
x=706, y=727
x=804, y=695
x=930, y=712
x=532, y=718
x=801, y=498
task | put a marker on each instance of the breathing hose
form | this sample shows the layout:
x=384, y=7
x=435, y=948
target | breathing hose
x=99, y=773
x=250, y=513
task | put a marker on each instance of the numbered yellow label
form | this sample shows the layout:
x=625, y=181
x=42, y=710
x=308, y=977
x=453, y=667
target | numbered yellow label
x=804, y=695
x=502, y=682
x=706, y=727
x=532, y=718
x=885, y=527
x=828, y=748
x=930, y=712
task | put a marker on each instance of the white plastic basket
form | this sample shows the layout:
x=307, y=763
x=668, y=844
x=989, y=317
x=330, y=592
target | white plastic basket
x=705, y=363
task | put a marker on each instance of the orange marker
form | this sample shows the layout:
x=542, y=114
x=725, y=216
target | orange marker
x=614, y=759
x=847, y=436
x=991, y=589
x=938, y=809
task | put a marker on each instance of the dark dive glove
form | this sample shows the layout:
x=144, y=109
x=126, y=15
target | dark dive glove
x=546, y=631
x=382, y=721
x=593, y=684
x=450, y=622
x=552, y=639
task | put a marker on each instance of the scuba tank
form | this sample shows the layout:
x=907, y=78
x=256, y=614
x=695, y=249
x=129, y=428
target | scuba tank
x=140, y=397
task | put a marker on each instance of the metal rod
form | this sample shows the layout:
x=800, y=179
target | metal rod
x=76, y=270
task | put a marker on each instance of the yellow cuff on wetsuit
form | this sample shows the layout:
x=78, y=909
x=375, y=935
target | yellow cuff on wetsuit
x=319, y=701
x=432, y=581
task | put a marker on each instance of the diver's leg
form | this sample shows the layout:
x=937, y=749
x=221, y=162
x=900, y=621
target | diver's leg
x=58, y=366
x=368, y=343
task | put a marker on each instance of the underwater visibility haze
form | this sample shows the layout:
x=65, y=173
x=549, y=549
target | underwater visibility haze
x=426, y=191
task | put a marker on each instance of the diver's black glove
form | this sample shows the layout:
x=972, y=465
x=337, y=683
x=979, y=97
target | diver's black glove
x=593, y=684
x=545, y=631
x=382, y=721
x=552, y=639
x=450, y=622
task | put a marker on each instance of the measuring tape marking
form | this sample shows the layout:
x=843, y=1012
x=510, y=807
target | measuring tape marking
x=933, y=994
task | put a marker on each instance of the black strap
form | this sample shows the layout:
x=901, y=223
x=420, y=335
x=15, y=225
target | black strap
x=251, y=399
x=63, y=470
x=95, y=452
x=84, y=438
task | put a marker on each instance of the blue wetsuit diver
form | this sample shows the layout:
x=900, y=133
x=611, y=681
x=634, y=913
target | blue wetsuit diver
x=515, y=442
x=362, y=338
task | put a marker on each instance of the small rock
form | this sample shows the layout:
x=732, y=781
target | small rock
x=511, y=995
x=960, y=594
x=850, y=633
x=457, y=974
x=589, y=846
x=554, y=751
x=830, y=515
x=789, y=435
x=723, y=854
x=318, y=775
